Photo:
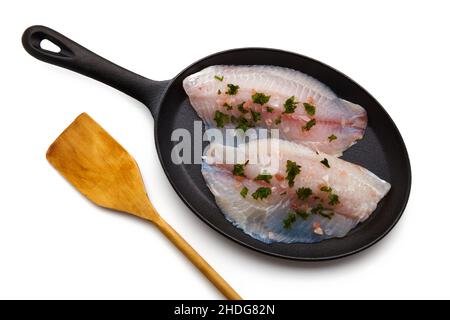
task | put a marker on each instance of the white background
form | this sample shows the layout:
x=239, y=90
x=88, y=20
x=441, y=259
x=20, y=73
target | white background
x=56, y=244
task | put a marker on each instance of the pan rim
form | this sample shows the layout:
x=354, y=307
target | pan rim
x=243, y=243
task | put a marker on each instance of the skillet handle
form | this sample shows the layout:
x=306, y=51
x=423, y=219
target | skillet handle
x=79, y=59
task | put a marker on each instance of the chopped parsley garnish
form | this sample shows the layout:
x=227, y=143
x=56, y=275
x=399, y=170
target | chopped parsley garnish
x=311, y=123
x=240, y=107
x=244, y=192
x=261, y=193
x=242, y=123
x=302, y=214
x=283, y=193
x=333, y=199
x=219, y=92
x=292, y=169
x=260, y=98
x=325, y=163
x=303, y=193
x=264, y=177
x=221, y=119
x=218, y=78
x=256, y=116
x=238, y=170
x=269, y=109
x=332, y=137
x=290, y=105
x=289, y=221
x=309, y=108
x=228, y=106
x=326, y=213
x=318, y=209
x=292, y=217
x=232, y=89
x=278, y=120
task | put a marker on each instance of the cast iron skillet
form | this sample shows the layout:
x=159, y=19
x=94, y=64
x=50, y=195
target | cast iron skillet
x=382, y=150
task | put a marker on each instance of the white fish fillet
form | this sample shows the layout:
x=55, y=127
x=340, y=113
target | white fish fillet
x=334, y=116
x=358, y=191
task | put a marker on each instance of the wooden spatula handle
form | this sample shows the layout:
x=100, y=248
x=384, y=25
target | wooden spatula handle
x=196, y=259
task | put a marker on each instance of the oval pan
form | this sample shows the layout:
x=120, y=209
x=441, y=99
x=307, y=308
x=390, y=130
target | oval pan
x=382, y=149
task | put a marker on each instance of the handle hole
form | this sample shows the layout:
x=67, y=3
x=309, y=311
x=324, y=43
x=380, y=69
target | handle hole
x=49, y=46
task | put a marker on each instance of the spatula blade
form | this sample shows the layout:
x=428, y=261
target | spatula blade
x=99, y=167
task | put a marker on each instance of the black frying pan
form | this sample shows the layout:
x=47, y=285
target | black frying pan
x=382, y=150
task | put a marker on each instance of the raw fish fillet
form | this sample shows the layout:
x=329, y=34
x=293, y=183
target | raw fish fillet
x=284, y=216
x=209, y=92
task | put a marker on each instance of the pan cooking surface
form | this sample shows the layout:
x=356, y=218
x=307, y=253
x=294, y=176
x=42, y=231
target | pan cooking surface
x=381, y=151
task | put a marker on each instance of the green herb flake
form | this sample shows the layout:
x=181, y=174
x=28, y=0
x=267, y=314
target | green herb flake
x=331, y=138
x=289, y=221
x=326, y=189
x=320, y=210
x=283, y=193
x=327, y=214
x=290, y=105
x=218, y=78
x=241, y=108
x=244, y=192
x=269, y=109
x=238, y=170
x=333, y=199
x=221, y=119
x=219, y=92
x=309, y=108
x=242, y=123
x=278, y=120
x=256, y=116
x=260, y=98
x=325, y=163
x=292, y=170
x=311, y=123
x=261, y=193
x=264, y=177
x=228, y=106
x=232, y=89
x=302, y=214
x=303, y=193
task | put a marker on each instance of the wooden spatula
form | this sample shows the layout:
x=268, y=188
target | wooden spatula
x=101, y=169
